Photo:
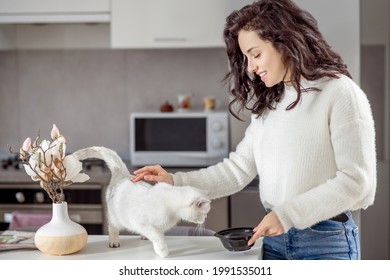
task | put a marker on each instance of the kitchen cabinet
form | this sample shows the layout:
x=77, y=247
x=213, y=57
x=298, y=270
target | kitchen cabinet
x=375, y=229
x=54, y=11
x=54, y=24
x=59, y=36
x=375, y=73
x=7, y=37
x=246, y=209
x=217, y=218
x=167, y=24
x=86, y=203
x=63, y=36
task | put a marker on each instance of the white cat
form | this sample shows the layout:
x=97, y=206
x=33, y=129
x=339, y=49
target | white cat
x=148, y=210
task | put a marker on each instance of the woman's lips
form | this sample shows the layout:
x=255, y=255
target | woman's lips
x=262, y=74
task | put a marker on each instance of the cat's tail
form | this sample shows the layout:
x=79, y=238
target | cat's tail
x=111, y=158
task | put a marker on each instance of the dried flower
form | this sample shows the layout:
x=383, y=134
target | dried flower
x=55, y=132
x=26, y=144
x=46, y=162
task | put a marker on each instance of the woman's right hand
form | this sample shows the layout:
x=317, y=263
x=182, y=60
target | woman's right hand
x=153, y=173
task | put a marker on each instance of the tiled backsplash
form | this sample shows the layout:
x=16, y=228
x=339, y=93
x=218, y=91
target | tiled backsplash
x=89, y=94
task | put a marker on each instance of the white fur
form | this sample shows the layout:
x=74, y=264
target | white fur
x=142, y=208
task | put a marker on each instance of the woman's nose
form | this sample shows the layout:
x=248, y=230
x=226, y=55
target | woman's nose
x=251, y=67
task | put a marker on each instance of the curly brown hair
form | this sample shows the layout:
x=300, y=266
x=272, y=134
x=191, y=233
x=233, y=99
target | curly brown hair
x=294, y=33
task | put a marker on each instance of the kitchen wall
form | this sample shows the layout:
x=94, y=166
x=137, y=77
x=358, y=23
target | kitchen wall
x=89, y=94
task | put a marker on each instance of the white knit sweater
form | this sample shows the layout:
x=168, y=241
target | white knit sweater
x=314, y=161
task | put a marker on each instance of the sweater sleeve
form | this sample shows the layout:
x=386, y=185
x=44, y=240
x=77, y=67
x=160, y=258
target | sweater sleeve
x=227, y=177
x=352, y=133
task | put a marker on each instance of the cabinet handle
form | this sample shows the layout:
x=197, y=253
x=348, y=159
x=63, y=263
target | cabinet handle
x=170, y=39
x=20, y=197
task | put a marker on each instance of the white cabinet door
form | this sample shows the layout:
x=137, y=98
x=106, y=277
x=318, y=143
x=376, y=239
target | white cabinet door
x=167, y=23
x=53, y=6
x=54, y=11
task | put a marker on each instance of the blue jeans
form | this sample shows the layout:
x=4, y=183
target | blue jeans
x=326, y=240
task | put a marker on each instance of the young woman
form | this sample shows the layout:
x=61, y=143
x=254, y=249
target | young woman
x=311, y=138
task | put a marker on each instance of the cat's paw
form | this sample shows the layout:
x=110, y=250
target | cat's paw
x=143, y=237
x=114, y=244
x=162, y=251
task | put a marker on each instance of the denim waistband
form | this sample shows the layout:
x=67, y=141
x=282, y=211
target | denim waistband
x=342, y=217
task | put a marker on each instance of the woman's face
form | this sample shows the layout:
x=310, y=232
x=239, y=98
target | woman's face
x=263, y=59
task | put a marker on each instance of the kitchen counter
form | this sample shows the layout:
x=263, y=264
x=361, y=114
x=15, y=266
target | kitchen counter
x=134, y=248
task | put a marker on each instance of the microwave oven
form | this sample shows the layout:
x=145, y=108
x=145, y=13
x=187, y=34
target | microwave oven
x=177, y=139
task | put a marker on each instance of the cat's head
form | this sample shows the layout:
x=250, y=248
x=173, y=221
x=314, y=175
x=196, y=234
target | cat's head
x=196, y=206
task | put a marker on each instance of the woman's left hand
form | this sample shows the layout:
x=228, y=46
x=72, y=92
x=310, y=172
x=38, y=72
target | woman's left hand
x=269, y=226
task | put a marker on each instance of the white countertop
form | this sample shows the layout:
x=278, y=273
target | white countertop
x=134, y=248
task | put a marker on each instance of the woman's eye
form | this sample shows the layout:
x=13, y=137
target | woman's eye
x=257, y=55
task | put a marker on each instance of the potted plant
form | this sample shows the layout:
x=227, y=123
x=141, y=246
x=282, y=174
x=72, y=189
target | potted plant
x=46, y=162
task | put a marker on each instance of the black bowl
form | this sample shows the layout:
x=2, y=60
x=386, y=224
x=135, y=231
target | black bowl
x=235, y=239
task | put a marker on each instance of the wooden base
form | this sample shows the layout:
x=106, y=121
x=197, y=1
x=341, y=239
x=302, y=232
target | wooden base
x=61, y=245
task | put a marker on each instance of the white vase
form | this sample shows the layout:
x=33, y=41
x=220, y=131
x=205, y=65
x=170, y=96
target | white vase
x=60, y=236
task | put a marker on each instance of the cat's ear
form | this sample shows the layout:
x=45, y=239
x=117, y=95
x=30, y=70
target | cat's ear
x=201, y=203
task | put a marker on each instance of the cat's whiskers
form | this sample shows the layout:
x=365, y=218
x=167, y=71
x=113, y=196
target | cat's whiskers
x=200, y=229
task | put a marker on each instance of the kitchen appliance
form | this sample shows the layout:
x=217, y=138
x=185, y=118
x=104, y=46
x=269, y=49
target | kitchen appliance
x=179, y=139
x=19, y=194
